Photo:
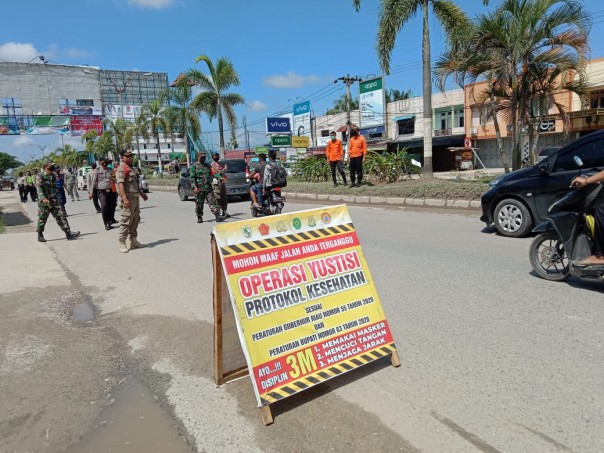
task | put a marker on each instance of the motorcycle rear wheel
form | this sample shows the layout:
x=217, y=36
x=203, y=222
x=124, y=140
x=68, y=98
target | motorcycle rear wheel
x=548, y=257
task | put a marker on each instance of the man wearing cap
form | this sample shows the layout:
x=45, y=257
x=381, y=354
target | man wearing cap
x=48, y=203
x=130, y=192
x=219, y=183
x=101, y=181
x=335, y=153
x=357, y=149
x=201, y=179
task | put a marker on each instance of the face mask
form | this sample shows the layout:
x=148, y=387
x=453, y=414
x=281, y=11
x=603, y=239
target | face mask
x=333, y=137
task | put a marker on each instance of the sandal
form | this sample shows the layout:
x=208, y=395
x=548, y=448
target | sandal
x=584, y=262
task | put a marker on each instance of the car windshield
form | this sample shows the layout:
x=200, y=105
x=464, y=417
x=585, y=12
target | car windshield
x=234, y=166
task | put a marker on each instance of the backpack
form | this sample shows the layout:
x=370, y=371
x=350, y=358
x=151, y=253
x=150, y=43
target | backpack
x=278, y=176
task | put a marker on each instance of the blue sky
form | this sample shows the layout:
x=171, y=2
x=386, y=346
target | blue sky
x=284, y=51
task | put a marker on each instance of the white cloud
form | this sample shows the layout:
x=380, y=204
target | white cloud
x=23, y=140
x=72, y=52
x=257, y=106
x=155, y=4
x=17, y=51
x=290, y=80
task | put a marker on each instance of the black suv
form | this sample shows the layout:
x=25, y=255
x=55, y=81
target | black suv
x=518, y=200
x=236, y=183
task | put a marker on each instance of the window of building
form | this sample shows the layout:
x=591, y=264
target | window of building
x=406, y=126
x=459, y=116
x=12, y=106
x=325, y=133
x=597, y=99
x=85, y=102
x=445, y=120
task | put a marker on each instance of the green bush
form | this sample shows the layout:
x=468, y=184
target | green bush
x=311, y=169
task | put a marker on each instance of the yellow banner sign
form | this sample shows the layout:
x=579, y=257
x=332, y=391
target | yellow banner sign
x=300, y=142
x=305, y=304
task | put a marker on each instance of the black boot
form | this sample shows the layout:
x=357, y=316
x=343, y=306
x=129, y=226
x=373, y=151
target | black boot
x=352, y=184
x=199, y=219
x=108, y=227
x=219, y=218
x=71, y=235
x=41, y=237
x=225, y=214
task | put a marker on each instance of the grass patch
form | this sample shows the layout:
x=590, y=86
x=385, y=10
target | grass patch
x=445, y=189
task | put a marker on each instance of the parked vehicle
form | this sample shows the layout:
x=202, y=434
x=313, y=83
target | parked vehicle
x=272, y=203
x=517, y=201
x=82, y=177
x=7, y=182
x=143, y=184
x=236, y=183
x=546, y=152
x=566, y=235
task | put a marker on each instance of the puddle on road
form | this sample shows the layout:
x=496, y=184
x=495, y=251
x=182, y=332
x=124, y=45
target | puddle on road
x=83, y=312
x=134, y=423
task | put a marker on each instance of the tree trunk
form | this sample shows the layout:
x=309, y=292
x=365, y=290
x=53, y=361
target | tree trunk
x=138, y=150
x=187, y=147
x=161, y=168
x=502, y=152
x=221, y=130
x=427, y=95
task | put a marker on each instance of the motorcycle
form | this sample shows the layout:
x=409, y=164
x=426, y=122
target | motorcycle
x=272, y=203
x=566, y=235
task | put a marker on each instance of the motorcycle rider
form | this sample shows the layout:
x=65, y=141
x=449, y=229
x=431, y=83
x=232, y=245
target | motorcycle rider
x=258, y=175
x=597, y=259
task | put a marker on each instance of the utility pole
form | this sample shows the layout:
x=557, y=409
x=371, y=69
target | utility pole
x=348, y=81
x=42, y=148
x=247, y=134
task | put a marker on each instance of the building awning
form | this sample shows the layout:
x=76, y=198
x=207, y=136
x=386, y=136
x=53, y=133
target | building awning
x=342, y=128
x=404, y=117
x=442, y=141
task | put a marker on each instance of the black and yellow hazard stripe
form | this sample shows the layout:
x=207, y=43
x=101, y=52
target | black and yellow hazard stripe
x=295, y=238
x=326, y=374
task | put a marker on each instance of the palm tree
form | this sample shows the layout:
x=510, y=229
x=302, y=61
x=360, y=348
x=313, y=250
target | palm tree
x=214, y=101
x=118, y=127
x=528, y=51
x=340, y=105
x=139, y=129
x=180, y=97
x=105, y=145
x=397, y=95
x=394, y=14
x=152, y=118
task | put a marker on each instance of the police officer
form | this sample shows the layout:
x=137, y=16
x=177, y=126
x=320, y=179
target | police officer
x=201, y=179
x=219, y=183
x=48, y=203
x=130, y=192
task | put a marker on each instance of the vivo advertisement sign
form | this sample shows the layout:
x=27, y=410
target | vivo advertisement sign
x=278, y=125
x=302, y=119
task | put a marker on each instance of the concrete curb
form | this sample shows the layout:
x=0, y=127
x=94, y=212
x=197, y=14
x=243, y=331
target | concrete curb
x=365, y=199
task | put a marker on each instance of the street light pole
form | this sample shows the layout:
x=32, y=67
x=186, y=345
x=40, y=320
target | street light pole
x=348, y=81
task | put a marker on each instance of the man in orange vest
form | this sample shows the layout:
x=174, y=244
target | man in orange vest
x=357, y=149
x=335, y=154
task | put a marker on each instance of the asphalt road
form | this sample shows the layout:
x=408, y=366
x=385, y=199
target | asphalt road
x=493, y=358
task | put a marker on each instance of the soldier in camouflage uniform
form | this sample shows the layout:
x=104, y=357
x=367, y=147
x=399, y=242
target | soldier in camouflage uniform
x=48, y=203
x=201, y=179
x=130, y=192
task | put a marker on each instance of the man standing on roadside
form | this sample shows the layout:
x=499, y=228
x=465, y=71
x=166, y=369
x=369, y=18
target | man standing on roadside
x=357, y=149
x=219, y=183
x=130, y=192
x=71, y=183
x=95, y=194
x=335, y=154
x=30, y=186
x=101, y=181
x=201, y=180
x=49, y=204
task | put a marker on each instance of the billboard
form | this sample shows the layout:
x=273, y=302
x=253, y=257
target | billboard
x=278, y=125
x=281, y=141
x=371, y=102
x=80, y=110
x=83, y=123
x=300, y=142
x=302, y=119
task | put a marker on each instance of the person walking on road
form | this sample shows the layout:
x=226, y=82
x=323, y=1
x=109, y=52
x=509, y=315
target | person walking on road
x=130, y=192
x=61, y=196
x=219, y=183
x=30, y=186
x=21, y=187
x=335, y=154
x=357, y=150
x=201, y=179
x=71, y=184
x=49, y=204
x=101, y=181
x=95, y=194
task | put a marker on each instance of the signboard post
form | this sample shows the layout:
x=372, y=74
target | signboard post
x=303, y=300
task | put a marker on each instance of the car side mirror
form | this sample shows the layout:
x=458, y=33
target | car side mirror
x=544, y=169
